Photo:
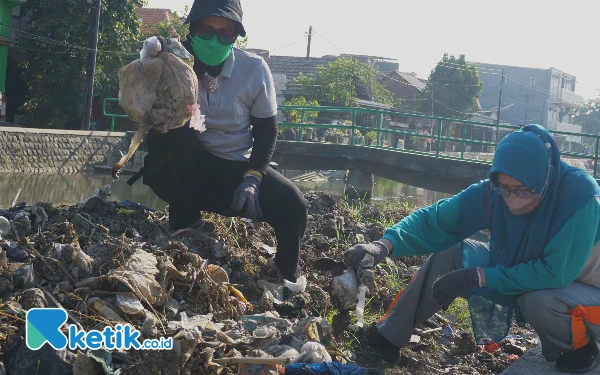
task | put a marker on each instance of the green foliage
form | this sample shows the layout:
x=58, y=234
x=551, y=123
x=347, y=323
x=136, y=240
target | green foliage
x=371, y=135
x=419, y=140
x=57, y=80
x=296, y=115
x=456, y=84
x=241, y=43
x=339, y=81
x=170, y=28
x=589, y=117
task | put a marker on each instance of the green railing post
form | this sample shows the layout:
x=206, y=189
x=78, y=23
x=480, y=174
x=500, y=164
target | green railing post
x=463, y=135
x=439, y=138
x=596, y=157
x=352, y=127
x=302, y=121
x=379, y=124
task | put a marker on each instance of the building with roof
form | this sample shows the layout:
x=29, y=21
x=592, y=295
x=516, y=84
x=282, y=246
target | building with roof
x=531, y=95
x=152, y=16
x=404, y=86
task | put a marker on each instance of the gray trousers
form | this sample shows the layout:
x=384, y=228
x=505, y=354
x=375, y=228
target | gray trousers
x=564, y=319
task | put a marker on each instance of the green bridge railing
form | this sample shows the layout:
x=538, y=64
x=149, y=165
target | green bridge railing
x=444, y=138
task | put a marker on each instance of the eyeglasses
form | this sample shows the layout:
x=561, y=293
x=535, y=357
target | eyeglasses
x=520, y=193
x=224, y=36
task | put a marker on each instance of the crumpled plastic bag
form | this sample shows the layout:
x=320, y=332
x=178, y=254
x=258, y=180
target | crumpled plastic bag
x=271, y=292
x=345, y=290
x=129, y=303
x=159, y=90
x=313, y=352
x=136, y=276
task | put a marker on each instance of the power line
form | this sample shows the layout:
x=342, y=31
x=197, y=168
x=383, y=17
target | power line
x=58, y=42
x=325, y=39
x=287, y=45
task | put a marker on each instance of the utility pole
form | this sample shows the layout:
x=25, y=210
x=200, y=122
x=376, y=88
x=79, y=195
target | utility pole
x=526, y=106
x=499, y=104
x=91, y=67
x=309, y=38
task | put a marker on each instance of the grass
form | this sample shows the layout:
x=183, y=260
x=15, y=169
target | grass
x=460, y=309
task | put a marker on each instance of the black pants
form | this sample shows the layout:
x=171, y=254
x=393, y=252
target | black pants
x=191, y=180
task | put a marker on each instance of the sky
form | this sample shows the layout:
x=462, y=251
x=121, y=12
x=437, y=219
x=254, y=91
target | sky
x=531, y=33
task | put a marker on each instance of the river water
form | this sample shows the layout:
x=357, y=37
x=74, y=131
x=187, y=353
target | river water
x=74, y=188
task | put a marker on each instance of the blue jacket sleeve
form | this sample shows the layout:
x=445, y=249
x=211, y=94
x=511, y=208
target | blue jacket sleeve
x=439, y=226
x=563, y=259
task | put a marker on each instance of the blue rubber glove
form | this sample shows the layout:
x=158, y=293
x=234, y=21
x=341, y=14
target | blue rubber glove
x=246, y=196
x=454, y=284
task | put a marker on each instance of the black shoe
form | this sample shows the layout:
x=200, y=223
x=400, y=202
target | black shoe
x=580, y=361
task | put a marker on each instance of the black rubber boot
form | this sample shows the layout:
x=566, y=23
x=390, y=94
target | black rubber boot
x=580, y=361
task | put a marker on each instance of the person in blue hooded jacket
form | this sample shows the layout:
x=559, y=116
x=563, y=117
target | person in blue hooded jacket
x=541, y=266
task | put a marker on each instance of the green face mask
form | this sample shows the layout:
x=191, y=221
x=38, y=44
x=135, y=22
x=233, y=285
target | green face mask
x=211, y=52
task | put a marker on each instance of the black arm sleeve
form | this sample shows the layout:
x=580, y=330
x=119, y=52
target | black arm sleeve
x=264, y=132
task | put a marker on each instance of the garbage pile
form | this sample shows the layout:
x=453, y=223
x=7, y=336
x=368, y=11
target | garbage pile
x=114, y=263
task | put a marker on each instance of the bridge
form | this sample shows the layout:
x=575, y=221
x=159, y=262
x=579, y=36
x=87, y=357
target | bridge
x=435, y=153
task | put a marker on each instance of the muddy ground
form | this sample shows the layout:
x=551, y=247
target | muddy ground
x=107, y=262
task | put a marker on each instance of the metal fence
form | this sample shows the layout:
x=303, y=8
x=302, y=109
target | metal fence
x=447, y=138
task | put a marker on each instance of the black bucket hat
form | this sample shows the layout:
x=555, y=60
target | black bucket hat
x=223, y=8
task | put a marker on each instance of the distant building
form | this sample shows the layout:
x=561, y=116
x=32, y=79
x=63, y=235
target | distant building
x=148, y=17
x=530, y=95
x=404, y=86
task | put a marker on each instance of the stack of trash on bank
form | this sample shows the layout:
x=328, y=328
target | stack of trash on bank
x=90, y=260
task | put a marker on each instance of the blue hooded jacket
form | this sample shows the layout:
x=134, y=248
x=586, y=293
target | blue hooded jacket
x=544, y=249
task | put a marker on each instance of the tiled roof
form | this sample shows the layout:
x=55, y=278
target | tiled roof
x=418, y=83
x=292, y=66
x=152, y=16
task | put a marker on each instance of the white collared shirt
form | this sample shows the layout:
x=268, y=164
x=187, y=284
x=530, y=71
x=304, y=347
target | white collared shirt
x=245, y=88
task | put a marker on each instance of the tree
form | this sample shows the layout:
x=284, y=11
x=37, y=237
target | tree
x=241, y=43
x=340, y=81
x=589, y=117
x=456, y=88
x=171, y=27
x=296, y=115
x=55, y=60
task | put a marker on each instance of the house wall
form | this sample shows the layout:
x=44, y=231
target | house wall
x=516, y=93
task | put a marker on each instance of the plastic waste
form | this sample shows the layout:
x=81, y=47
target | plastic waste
x=325, y=368
x=360, y=306
x=23, y=277
x=345, y=290
x=313, y=352
x=264, y=332
x=93, y=362
x=104, y=309
x=159, y=90
x=447, y=332
x=298, y=287
x=251, y=322
x=15, y=253
x=129, y=303
x=21, y=222
x=81, y=259
x=149, y=326
x=4, y=226
x=271, y=292
x=217, y=274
